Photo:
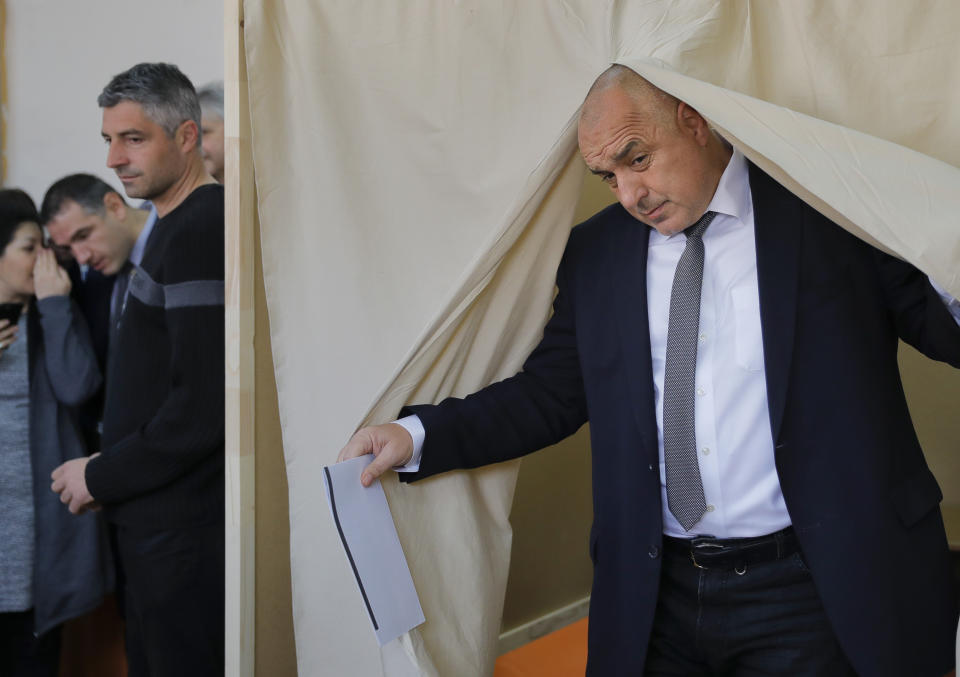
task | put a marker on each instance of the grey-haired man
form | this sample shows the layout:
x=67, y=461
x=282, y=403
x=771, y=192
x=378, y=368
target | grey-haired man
x=159, y=476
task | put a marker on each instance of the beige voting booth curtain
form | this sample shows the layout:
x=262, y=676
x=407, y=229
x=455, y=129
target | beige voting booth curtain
x=417, y=172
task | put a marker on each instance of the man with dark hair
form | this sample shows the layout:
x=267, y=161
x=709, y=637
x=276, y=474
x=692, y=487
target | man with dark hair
x=211, y=121
x=761, y=502
x=90, y=223
x=159, y=477
x=83, y=214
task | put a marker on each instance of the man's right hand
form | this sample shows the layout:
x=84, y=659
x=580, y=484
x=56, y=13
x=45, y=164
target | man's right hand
x=390, y=443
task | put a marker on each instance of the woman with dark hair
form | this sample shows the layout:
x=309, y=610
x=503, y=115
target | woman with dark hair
x=53, y=565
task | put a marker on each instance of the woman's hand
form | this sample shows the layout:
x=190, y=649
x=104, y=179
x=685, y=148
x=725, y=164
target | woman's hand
x=49, y=279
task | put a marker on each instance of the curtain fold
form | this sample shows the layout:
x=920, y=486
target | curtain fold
x=417, y=172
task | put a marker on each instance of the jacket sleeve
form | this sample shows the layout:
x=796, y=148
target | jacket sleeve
x=537, y=407
x=71, y=363
x=919, y=313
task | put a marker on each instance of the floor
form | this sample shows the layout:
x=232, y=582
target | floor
x=93, y=644
x=562, y=653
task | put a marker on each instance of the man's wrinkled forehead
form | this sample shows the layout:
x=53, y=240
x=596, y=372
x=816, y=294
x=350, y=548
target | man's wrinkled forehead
x=615, y=120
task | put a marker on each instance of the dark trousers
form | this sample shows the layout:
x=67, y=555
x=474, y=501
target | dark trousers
x=21, y=653
x=767, y=620
x=173, y=600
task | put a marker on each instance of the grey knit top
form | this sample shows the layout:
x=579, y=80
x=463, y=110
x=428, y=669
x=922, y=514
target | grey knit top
x=16, y=483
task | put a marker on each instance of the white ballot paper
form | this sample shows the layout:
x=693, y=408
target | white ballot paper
x=370, y=542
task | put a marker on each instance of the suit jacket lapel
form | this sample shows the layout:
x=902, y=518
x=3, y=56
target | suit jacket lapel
x=630, y=306
x=778, y=219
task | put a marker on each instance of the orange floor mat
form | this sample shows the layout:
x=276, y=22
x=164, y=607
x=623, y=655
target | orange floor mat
x=562, y=653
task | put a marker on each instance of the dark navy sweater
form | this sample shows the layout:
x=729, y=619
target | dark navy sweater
x=162, y=459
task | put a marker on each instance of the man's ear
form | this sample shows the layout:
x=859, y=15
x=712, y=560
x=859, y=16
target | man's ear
x=115, y=206
x=691, y=122
x=187, y=136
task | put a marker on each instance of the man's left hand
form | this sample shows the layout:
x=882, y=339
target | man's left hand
x=69, y=480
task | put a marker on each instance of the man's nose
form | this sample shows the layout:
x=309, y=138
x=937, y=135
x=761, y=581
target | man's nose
x=115, y=156
x=81, y=254
x=631, y=191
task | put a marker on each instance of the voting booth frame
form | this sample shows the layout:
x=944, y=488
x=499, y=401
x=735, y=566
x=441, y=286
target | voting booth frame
x=240, y=214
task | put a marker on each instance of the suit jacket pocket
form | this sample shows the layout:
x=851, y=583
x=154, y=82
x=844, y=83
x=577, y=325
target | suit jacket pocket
x=916, y=496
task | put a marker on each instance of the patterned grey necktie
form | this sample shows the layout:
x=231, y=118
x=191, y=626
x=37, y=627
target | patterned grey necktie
x=684, y=486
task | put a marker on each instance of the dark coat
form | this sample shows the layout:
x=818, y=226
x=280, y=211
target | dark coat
x=92, y=294
x=862, y=500
x=73, y=568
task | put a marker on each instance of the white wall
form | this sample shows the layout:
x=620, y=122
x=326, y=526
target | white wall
x=61, y=53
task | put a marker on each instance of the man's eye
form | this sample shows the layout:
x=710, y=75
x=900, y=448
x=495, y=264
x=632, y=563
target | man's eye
x=639, y=159
x=134, y=139
x=609, y=179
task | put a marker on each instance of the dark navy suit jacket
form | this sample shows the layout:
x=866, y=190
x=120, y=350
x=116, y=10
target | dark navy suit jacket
x=862, y=500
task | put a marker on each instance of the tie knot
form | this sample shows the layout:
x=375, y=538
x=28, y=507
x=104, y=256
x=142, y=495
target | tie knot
x=696, y=230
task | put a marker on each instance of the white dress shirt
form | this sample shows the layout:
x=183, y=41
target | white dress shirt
x=734, y=441
x=136, y=254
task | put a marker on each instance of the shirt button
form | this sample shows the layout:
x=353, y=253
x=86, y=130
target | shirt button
x=706, y=451
x=711, y=508
x=703, y=338
x=654, y=552
x=701, y=392
x=650, y=466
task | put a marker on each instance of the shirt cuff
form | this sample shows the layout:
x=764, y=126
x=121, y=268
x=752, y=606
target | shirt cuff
x=952, y=304
x=413, y=426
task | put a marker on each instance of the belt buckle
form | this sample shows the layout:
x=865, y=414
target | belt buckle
x=702, y=543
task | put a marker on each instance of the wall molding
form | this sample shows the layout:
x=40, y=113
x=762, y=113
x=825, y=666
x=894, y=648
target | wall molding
x=537, y=628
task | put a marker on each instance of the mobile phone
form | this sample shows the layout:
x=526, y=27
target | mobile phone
x=11, y=311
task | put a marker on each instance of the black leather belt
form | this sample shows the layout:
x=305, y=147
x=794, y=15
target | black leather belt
x=733, y=553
